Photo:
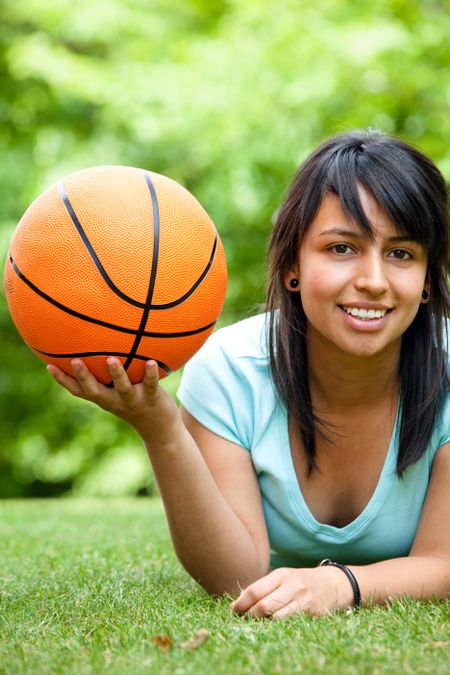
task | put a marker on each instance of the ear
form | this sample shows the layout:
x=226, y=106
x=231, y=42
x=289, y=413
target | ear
x=426, y=293
x=291, y=274
x=425, y=297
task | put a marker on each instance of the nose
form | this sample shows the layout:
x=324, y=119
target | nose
x=371, y=277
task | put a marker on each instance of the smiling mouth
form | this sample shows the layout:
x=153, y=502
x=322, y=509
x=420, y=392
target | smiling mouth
x=365, y=314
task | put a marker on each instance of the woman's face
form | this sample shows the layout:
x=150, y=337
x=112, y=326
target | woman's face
x=359, y=296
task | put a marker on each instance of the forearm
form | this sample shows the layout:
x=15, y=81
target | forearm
x=211, y=542
x=418, y=577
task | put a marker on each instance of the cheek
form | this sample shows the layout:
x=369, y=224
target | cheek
x=317, y=291
x=320, y=284
x=410, y=289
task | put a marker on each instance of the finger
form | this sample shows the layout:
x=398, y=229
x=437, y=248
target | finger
x=256, y=592
x=120, y=378
x=90, y=387
x=151, y=377
x=272, y=603
x=69, y=383
x=288, y=610
x=296, y=606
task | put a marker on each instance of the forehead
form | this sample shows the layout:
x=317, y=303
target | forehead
x=331, y=215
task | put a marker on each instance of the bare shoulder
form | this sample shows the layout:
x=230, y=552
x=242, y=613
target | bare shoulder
x=232, y=469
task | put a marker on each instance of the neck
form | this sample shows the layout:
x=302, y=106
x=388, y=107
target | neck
x=339, y=380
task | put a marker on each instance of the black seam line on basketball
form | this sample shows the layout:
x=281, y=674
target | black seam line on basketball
x=102, y=270
x=81, y=355
x=99, y=322
x=90, y=249
x=197, y=283
x=153, y=270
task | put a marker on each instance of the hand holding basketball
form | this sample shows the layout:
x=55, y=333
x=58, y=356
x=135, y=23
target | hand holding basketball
x=145, y=405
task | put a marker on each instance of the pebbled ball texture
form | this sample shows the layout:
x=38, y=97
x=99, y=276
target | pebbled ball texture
x=114, y=260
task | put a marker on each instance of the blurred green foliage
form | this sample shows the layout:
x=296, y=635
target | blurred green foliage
x=225, y=97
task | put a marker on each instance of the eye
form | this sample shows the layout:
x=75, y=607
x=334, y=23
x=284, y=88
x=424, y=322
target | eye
x=400, y=254
x=341, y=249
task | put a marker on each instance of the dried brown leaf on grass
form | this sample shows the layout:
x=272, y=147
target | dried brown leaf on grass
x=163, y=641
x=196, y=640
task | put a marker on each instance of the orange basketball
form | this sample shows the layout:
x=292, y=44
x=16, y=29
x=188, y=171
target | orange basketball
x=115, y=261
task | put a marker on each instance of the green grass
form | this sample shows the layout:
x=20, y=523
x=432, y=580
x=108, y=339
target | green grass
x=85, y=586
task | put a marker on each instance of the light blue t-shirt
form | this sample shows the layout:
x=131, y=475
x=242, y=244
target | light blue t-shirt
x=227, y=387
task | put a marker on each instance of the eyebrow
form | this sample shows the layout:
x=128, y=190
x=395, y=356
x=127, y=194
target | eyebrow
x=360, y=235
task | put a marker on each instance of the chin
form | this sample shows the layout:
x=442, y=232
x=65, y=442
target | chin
x=367, y=350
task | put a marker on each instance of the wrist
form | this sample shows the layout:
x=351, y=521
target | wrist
x=163, y=440
x=349, y=594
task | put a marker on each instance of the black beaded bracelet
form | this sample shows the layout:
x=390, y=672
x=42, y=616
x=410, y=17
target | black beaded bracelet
x=350, y=576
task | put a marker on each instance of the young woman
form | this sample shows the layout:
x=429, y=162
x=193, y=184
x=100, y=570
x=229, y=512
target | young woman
x=321, y=429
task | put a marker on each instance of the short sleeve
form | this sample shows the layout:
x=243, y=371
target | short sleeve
x=214, y=391
x=443, y=426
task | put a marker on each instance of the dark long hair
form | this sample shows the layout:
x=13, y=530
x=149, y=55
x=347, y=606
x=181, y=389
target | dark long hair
x=413, y=193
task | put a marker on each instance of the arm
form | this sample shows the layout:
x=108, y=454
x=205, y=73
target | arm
x=228, y=545
x=208, y=484
x=424, y=574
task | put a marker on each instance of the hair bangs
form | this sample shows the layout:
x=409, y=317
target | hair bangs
x=400, y=195
x=343, y=180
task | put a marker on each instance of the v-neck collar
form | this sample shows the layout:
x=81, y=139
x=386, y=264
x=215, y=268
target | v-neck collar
x=299, y=504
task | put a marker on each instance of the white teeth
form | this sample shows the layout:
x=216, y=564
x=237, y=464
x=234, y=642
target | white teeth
x=366, y=314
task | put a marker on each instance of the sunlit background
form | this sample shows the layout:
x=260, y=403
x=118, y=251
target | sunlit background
x=225, y=97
